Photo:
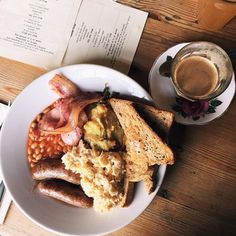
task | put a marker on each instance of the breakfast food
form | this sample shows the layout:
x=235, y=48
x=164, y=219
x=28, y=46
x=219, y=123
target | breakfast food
x=54, y=169
x=89, y=150
x=102, y=175
x=65, y=192
x=143, y=146
x=160, y=121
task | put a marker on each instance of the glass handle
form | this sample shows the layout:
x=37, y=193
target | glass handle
x=165, y=68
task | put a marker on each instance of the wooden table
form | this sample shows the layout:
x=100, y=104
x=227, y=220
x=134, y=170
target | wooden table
x=198, y=195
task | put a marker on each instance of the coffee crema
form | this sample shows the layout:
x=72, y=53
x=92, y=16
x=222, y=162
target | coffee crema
x=196, y=76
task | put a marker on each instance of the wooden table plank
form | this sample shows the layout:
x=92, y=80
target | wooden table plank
x=181, y=13
x=198, y=193
x=203, y=177
x=14, y=77
x=17, y=224
x=170, y=218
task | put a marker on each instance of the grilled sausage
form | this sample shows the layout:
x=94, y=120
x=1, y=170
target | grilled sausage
x=66, y=192
x=54, y=169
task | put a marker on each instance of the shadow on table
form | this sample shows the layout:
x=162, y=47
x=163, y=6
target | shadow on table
x=176, y=140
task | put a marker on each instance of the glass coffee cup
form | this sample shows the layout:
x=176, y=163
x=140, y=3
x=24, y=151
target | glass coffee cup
x=201, y=71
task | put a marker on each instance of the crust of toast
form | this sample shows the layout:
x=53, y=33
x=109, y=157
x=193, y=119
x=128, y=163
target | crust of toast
x=159, y=120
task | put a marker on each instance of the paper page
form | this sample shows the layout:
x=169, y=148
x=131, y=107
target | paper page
x=106, y=33
x=36, y=31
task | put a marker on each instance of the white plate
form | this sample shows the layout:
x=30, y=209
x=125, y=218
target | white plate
x=51, y=214
x=164, y=95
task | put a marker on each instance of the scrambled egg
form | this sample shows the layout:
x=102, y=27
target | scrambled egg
x=102, y=175
x=103, y=131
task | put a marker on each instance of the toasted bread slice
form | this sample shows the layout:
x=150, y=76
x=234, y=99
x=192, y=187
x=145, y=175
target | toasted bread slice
x=161, y=121
x=144, y=147
x=141, y=140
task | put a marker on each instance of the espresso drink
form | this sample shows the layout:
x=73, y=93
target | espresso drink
x=196, y=76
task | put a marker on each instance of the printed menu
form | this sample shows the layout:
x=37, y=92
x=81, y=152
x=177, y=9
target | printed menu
x=36, y=31
x=108, y=35
x=51, y=33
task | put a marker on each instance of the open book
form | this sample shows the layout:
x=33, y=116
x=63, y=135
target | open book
x=52, y=33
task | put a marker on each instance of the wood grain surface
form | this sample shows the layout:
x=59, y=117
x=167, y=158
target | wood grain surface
x=198, y=195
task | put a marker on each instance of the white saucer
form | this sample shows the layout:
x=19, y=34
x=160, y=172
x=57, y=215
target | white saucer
x=164, y=95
